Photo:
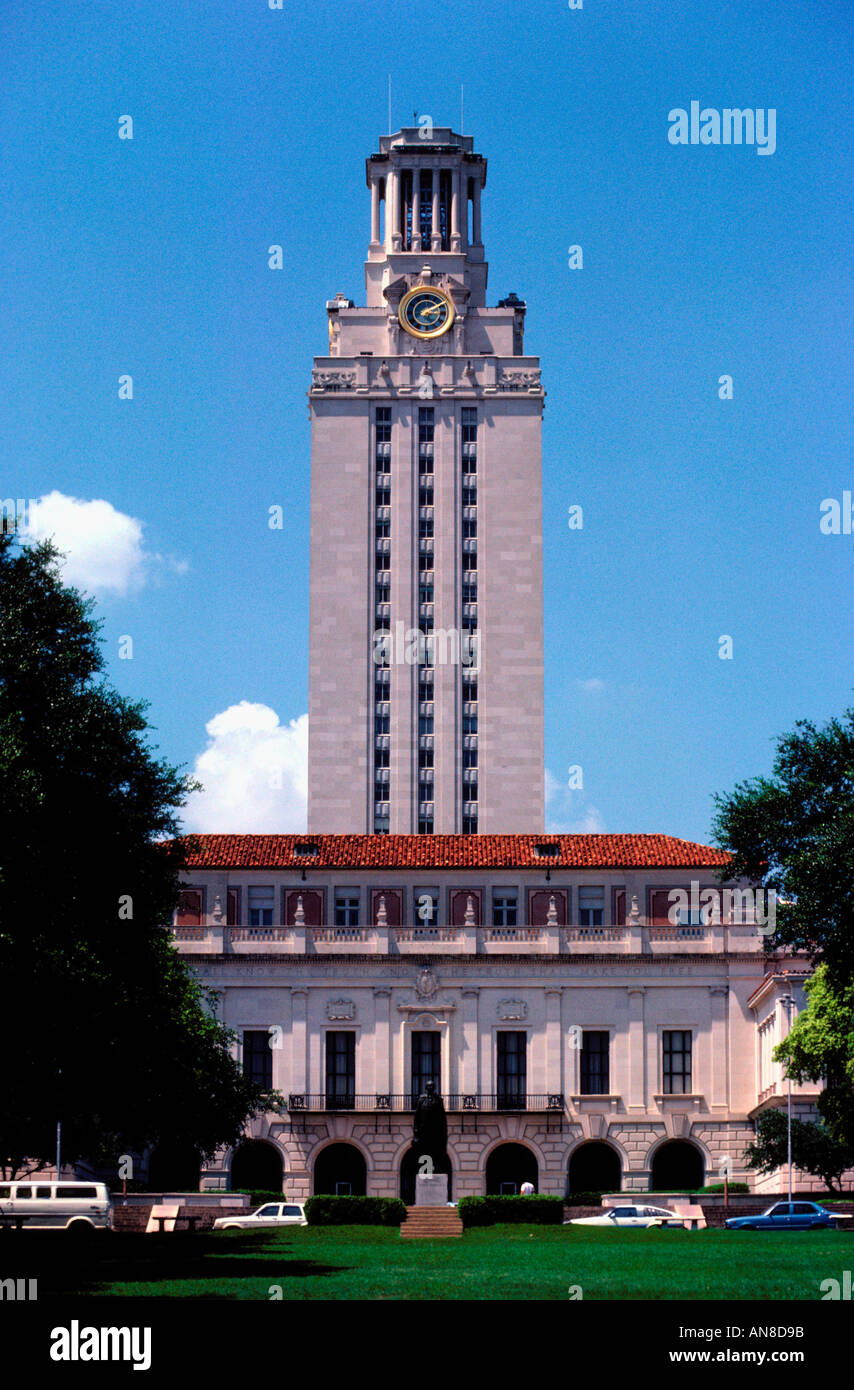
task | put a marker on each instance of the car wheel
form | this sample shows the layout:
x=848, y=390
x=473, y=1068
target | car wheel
x=80, y=1230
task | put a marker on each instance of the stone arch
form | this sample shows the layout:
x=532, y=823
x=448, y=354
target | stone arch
x=339, y=1169
x=508, y=1165
x=594, y=1166
x=257, y=1165
x=676, y=1164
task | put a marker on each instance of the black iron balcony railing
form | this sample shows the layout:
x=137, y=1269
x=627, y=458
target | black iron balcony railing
x=302, y=1103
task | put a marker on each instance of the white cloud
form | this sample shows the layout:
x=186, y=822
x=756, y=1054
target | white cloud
x=254, y=772
x=565, y=813
x=103, y=547
x=594, y=686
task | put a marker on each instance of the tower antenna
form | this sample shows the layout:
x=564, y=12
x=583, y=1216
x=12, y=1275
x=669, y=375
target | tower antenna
x=462, y=127
x=389, y=103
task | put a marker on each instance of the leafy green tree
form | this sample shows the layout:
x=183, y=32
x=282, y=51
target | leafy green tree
x=814, y=1150
x=102, y=1025
x=820, y=1047
x=794, y=832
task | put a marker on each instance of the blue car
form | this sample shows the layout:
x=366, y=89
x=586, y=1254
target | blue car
x=786, y=1216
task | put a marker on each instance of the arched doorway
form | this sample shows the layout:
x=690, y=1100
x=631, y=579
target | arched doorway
x=408, y=1172
x=256, y=1167
x=677, y=1166
x=340, y=1171
x=174, y=1168
x=508, y=1166
x=594, y=1167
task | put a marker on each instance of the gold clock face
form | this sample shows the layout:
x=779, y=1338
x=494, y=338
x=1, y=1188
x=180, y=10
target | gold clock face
x=426, y=312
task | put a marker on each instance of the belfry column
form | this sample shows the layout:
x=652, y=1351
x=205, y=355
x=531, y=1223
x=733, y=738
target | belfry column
x=375, y=212
x=392, y=210
x=475, y=220
x=416, y=210
x=456, y=240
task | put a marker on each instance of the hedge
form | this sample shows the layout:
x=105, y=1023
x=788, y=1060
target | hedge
x=355, y=1211
x=719, y=1187
x=585, y=1199
x=486, y=1211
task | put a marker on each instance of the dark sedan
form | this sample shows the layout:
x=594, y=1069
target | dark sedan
x=786, y=1216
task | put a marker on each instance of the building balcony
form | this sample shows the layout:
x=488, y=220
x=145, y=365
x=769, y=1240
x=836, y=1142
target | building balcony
x=219, y=939
x=467, y=1106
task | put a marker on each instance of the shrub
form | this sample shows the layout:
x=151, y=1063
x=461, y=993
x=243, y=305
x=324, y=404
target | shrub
x=585, y=1199
x=475, y=1211
x=719, y=1187
x=355, y=1211
x=485, y=1211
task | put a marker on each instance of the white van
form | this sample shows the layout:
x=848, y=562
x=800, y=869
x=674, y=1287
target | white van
x=79, y=1207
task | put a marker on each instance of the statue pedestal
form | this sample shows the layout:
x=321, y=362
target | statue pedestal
x=431, y=1191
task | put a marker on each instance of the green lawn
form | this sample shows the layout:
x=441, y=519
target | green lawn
x=501, y=1262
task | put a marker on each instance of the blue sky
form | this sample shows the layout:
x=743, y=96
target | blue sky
x=148, y=257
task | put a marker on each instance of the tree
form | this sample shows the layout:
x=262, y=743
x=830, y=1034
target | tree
x=820, y=1047
x=814, y=1150
x=102, y=1025
x=794, y=833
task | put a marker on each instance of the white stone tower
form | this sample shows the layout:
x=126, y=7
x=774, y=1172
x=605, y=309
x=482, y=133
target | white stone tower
x=426, y=626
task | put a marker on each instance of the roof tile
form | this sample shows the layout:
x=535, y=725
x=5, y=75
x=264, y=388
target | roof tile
x=449, y=852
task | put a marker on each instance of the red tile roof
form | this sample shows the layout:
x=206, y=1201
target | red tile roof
x=449, y=852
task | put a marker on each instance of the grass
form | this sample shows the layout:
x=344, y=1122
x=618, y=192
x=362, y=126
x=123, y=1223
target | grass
x=500, y=1262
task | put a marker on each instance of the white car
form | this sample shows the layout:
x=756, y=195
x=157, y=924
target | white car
x=271, y=1214
x=631, y=1216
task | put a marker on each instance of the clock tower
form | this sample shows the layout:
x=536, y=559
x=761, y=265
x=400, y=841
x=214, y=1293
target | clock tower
x=426, y=631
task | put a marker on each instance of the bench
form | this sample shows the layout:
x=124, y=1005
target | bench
x=165, y=1217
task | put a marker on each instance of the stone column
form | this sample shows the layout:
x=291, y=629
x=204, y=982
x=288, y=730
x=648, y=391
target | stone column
x=392, y=210
x=382, y=1052
x=718, y=995
x=470, y=1042
x=375, y=211
x=637, y=1048
x=299, y=1041
x=456, y=240
x=554, y=1077
x=416, y=210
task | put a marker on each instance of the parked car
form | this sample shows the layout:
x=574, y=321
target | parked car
x=640, y=1216
x=79, y=1207
x=786, y=1216
x=271, y=1214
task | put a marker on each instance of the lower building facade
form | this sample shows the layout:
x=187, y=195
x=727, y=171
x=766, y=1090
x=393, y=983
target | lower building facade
x=589, y=1027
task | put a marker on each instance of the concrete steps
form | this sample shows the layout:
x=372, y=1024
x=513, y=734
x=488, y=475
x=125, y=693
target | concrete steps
x=431, y=1222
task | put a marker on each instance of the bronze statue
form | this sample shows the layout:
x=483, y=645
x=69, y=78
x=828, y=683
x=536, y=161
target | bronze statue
x=430, y=1126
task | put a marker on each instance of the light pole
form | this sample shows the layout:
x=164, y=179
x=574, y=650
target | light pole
x=788, y=1000
x=59, y=1139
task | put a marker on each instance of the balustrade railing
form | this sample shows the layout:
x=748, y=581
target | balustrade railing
x=303, y=1102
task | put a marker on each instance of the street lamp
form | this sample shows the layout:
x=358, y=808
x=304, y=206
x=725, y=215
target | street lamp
x=788, y=1000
